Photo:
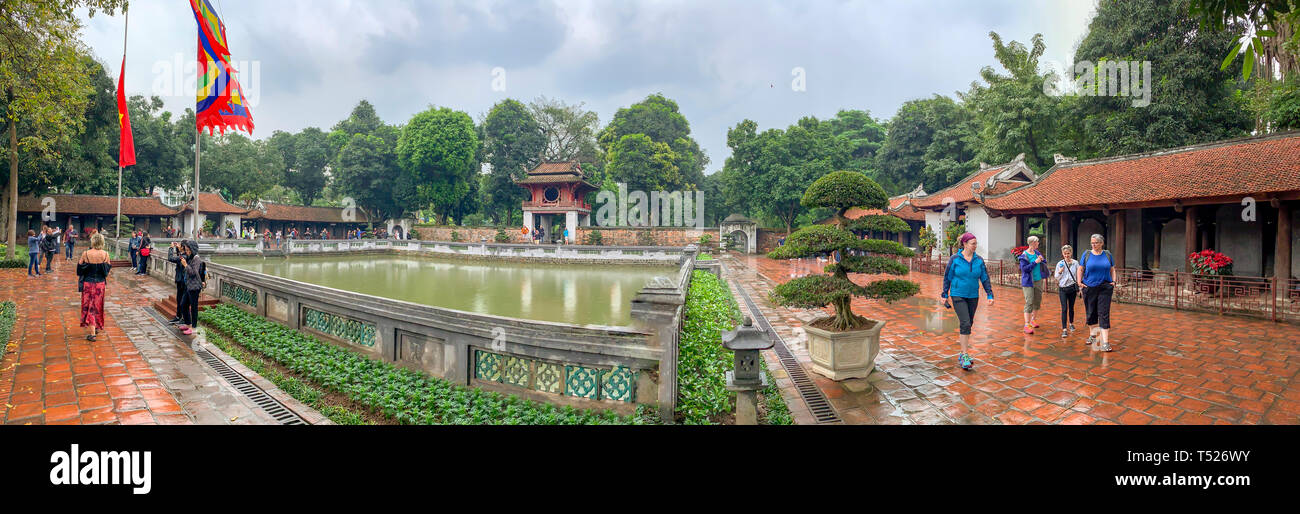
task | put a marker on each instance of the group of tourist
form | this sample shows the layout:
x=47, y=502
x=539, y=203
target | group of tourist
x=41, y=247
x=1093, y=273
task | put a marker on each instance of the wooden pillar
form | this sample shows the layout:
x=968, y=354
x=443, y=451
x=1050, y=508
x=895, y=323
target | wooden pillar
x=1065, y=233
x=1020, y=231
x=1155, y=261
x=1121, y=223
x=1190, y=234
x=1282, y=250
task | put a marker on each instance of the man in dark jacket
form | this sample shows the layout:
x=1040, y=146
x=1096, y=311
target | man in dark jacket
x=175, y=253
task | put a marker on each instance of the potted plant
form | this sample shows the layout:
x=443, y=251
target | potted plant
x=1207, y=264
x=844, y=345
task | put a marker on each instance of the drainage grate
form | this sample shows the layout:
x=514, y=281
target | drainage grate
x=272, y=406
x=250, y=390
x=818, y=405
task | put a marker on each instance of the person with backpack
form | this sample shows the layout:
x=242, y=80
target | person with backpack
x=1067, y=287
x=1033, y=273
x=195, y=280
x=965, y=273
x=175, y=252
x=145, y=250
x=1096, y=276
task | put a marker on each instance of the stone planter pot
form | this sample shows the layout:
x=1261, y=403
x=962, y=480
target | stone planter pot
x=844, y=355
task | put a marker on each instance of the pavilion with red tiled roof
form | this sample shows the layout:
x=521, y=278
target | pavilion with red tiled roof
x=962, y=202
x=556, y=189
x=93, y=211
x=1156, y=208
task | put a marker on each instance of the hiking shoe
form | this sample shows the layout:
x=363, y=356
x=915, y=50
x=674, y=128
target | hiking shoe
x=1065, y=333
x=175, y=320
x=1091, y=340
x=1072, y=327
x=1105, y=347
x=1035, y=324
x=1029, y=329
x=965, y=361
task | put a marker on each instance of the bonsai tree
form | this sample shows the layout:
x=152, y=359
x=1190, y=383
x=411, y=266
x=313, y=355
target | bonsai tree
x=842, y=190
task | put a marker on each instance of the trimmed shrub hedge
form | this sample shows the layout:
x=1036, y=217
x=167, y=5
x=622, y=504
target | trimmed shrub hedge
x=702, y=395
x=8, y=315
x=406, y=396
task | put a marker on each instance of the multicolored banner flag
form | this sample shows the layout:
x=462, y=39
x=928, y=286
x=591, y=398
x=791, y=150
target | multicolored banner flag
x=126, y=156
x=220, y=101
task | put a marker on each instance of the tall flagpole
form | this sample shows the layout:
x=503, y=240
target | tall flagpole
x=197, y=137
x=118, y=220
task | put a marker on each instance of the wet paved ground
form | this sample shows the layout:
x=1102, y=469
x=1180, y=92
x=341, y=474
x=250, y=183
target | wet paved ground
x=1168, y=367
x=136, y=372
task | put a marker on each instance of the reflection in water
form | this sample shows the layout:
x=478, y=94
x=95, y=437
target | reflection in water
x=583, y=294
x=934, y=317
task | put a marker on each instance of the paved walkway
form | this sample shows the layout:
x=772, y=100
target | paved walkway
x=136, y=372
x=1168, y=367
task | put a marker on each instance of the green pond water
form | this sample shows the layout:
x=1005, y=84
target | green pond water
x=581, y=294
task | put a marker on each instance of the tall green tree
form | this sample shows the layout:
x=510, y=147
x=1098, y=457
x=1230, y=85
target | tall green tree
x=1192, y=99
x=311, y=156
x=513, y=143
x=160, y=156
x=658, y=118
x=42, y=80
x=860, y=136
x=932, y=142
x=365, y=166
x=241, y=167
x=1015, y=114
x=771, y=170
x=437, y=151
x=644, y=164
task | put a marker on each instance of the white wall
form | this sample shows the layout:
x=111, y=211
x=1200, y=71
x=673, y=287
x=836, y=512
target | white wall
x=935, y=221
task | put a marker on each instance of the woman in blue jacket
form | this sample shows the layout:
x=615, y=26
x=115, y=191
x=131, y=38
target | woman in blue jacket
x=962, y=279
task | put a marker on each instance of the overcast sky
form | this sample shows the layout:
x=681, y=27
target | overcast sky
x=311, y=61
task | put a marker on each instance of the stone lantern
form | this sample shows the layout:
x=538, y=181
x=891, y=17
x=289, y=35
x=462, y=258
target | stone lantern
x=747, y=377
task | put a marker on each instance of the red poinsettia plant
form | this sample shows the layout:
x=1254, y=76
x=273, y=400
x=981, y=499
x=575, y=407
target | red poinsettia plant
x=1210, y=262
x=1018, y=250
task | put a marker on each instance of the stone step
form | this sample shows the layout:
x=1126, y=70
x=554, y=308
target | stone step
x=167, y=306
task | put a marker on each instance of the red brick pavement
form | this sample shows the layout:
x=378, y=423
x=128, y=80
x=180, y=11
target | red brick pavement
x=52, y=375
x=1168, y=367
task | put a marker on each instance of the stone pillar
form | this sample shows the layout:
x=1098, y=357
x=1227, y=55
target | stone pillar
x=1020, y=232
x=571, y=224
x=1121, y=223
x=528, y=224
x=657, y=309
x=1282, y=250
x=1190, y=244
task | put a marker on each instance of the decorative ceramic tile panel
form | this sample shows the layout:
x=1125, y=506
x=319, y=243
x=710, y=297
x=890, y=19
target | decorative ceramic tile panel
x=347, y=329
x=548, y=378
x=516, y=371
x=239, y=293
x=582, y=382
x=618, y=384
x=487, y=366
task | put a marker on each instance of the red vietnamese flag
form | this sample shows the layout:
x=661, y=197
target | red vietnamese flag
x=126, y=157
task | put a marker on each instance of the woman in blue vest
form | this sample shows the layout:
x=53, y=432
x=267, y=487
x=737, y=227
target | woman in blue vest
x=1033, y=274
x=962, y=279
x=1097, y=278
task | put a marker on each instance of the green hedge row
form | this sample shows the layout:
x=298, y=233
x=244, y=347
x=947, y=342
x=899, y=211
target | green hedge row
x=8, y=316
x=702, y=365
x=406, y=396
